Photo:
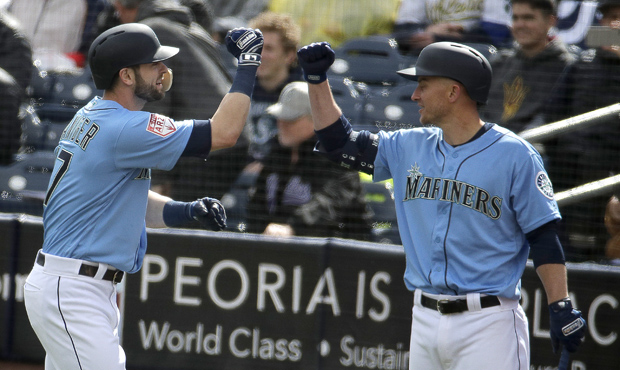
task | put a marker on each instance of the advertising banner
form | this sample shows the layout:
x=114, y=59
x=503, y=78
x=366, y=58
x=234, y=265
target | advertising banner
x=207, y=300
x=230, y=303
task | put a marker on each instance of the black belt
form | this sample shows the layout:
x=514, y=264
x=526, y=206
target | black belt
x=88, y=270
x=446, y=307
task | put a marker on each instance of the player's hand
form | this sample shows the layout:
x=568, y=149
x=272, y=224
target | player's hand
x=210, y=213
x=567, y=327
x=245, y=44
x=315, y=59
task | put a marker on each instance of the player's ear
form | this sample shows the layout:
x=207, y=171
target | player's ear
x=127, y=76
x=455, y=91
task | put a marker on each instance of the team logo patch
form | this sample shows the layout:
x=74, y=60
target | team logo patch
x=160, y=125
x=544, y=184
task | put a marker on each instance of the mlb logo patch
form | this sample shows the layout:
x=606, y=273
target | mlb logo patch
x=160, y=125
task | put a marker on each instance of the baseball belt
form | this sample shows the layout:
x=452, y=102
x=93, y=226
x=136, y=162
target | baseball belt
x=112, y=275
x=447, y=307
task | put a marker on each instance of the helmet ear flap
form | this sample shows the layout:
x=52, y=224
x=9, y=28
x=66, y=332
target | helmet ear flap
x=166, y=80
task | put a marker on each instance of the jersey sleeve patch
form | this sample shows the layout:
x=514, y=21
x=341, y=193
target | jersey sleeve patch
x=160, y=125
x=544, y=184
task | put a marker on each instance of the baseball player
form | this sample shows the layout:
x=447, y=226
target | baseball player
x=98, y=203
x=472, y=201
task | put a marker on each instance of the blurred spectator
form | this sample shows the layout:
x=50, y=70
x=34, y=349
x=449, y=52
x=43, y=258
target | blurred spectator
x=574, y=19
x=203, y=12
x=15, y=50
x=295, y=194
x=11, y=97
x=422, y=22
x=598, y=72
x=200, y=83
x=531, y=79
x=229, y=14
x=336, y=21
x=495, y=22
x=592, y=154
x=15, y=73
x=278, y=68
x=91, y=29
x=54, y=29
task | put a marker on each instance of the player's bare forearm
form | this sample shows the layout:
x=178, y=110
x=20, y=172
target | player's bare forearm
x=553, y=278
x=154, y=210
x=325, y=111
x=228, y=121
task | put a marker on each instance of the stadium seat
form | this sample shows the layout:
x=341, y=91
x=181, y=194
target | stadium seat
x=390, y=108
x=59, y=95
x=373, y=60
x=55, y=98
x=347, y=94
x=23, y=184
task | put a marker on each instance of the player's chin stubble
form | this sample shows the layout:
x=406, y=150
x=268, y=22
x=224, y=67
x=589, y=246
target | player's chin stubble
x=146, y=91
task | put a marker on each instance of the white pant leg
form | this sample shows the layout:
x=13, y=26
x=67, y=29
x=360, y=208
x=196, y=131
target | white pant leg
x=489, y=339
x=49, y=365
x=423, y=348
x=76, y=320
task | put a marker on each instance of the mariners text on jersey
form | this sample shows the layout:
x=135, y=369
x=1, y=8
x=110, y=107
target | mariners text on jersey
x=80, y=131
x=450, y=190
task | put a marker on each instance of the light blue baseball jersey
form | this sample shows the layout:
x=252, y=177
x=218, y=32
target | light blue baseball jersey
x=96, y=201
x=463, y=211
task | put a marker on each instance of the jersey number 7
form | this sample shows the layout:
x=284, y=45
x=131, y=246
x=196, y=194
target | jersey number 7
x=65, y=157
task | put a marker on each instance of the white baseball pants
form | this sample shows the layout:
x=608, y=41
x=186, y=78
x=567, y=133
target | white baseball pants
x=75, y=317
x=489, y=338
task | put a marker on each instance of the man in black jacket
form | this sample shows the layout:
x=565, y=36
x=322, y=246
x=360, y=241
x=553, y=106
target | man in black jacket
x=531, y=79
x=298, y=192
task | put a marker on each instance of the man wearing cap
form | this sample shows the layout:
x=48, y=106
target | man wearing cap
x=294, y=194
x=472, y=200
x=98, y=202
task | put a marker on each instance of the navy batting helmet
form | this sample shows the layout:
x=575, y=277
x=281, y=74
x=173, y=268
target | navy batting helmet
x=455, y=61
x=123, y=46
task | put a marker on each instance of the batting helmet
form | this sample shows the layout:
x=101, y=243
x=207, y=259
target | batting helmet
x=123, y=46
x=455, y=61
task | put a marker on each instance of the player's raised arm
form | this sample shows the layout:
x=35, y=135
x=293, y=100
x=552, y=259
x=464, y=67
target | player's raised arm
x=337, y=140
x=315, y=59
x=227, y=123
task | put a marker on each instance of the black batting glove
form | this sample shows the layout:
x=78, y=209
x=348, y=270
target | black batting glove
x=245, y=44
x=210, y=213
x=315, y=60
x=567, y=326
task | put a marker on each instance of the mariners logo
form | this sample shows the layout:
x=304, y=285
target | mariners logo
x=458, y=192
x=544, y=184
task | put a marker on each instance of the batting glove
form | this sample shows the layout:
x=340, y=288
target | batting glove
x=315, y=59
x=567, y=326
x=245, y=44
x=210, y=213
